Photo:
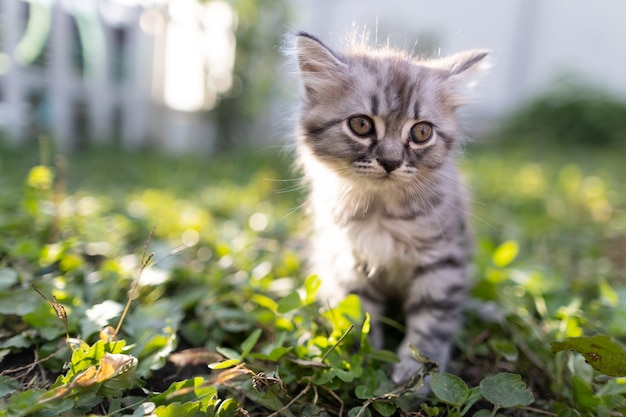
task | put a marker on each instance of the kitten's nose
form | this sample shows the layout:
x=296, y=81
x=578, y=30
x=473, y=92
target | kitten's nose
x=389, y=164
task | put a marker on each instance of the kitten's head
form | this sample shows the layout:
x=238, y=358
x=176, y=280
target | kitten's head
x=381, y=115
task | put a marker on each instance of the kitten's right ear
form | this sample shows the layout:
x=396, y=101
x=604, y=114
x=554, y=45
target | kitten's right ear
x=314, y=57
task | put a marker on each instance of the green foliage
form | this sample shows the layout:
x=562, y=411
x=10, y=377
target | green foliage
x=572, y=113
x=506, y=390
x=449, y=388
x=503, y=390
x=600, y=351
x=224, y=322
x=96, y=373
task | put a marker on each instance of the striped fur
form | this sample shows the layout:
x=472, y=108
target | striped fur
x=388, y=213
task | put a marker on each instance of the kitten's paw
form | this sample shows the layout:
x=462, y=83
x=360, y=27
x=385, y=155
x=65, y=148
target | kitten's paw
x=406, y=369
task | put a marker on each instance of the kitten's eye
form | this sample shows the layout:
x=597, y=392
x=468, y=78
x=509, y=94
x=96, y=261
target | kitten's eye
x=361, y=125
x=421, y=132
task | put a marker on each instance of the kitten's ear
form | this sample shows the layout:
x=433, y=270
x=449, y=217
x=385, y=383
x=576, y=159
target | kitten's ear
x=315, y=57
x=320, y=69
x=466, y=68
x=472, y=61
x=462, y=72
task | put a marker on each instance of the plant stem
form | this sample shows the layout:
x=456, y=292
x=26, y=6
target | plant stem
x=290, y=403
x=343, y=336
x=144, y=263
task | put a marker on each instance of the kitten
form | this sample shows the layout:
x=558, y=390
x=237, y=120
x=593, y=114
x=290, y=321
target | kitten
x=376, y=137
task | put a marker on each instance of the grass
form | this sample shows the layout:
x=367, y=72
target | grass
x=223, y=321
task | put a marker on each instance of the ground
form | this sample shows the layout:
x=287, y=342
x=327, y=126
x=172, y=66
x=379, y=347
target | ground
x=211, y=250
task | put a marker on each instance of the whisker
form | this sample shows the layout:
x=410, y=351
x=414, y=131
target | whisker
x=454, y=206
x=291, y=189
x=294, y=210
x=283, y=179
x=464, y=185
x=422, y=193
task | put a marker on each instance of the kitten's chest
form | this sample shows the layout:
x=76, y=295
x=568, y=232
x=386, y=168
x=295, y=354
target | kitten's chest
x=381, y=242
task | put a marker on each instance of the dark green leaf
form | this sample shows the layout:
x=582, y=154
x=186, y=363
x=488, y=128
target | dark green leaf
x=384, y=356
x=279, y=352
x=600, y=351
x=384, y=408
x=250, y=342
x=504, y=348
x=19, y=302
x=62, y=405
x=568, y=412
x=474, y=395
x=24, y=400
x=357, y=410
x=363, y=392
x=324, y=377
x=311, y=410
x=449, y=388
x=8, y=278
x=47, y=323
x=612, y=402
x=345, y=376
x=583, y=393
x=506, y=390
x=17, y=341
x=290, y=302
x=8, y=385
x=229, y=353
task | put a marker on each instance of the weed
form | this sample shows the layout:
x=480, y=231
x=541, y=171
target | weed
x=221, y=321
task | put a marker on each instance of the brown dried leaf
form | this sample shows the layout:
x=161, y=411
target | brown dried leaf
x=114, y=364
x=194, y=356
x=87, y=377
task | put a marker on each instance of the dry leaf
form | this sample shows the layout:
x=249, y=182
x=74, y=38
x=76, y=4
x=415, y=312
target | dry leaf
x=110, y=366
x=194, y=356
x=114, y=364
x=87, y=377
x=228, y=374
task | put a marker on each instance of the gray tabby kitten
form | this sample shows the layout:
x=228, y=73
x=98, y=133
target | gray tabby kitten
x=376, y=135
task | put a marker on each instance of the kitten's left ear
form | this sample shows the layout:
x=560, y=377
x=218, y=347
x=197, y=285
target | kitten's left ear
x=319, y=67
x=314, y=57
x=465, y=68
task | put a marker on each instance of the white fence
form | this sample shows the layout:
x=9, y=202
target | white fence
x=89, y=71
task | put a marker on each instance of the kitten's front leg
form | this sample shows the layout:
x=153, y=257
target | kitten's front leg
x=374, y=304
x=433, y=312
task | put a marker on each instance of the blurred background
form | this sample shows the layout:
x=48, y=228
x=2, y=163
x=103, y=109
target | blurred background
x=133, y=123
x=190, y=76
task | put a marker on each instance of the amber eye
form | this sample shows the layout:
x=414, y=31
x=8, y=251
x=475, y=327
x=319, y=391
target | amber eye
x=421, y=132
x=361, y=125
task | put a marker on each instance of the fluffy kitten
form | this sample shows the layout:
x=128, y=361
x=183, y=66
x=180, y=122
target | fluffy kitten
x=376, y=135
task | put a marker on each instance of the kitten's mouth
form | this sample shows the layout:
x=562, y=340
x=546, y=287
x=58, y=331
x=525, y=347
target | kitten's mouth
x=383, y=177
